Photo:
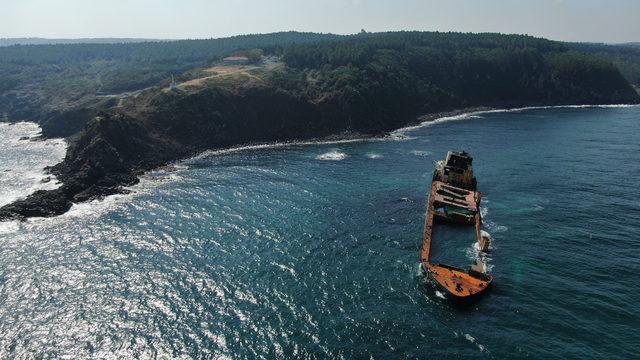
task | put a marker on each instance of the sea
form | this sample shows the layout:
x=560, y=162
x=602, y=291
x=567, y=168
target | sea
x=312, y=250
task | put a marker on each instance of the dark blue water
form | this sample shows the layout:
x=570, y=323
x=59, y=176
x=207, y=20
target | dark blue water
x=313, y=252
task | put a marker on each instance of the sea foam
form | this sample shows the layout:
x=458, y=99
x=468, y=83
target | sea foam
x=420, y=153
x=22, y=166
x=402, y=132
x=334, y=155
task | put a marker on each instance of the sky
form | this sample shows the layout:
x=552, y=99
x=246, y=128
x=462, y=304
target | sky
x=612, y=21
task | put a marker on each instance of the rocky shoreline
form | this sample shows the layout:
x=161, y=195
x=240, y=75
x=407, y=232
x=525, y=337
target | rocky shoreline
x=94, y=169
x=113, y=150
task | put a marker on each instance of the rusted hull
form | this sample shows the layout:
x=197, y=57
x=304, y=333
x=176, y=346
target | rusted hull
x=457, y=284
x=460, y=206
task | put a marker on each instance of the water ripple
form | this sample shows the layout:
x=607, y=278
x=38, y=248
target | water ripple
x=268, y=253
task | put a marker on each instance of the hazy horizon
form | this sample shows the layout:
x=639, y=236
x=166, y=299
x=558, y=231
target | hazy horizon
x=47, y=40
x=566, y=20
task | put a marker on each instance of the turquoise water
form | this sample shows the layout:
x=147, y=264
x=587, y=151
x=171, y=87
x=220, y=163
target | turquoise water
x=313, y=251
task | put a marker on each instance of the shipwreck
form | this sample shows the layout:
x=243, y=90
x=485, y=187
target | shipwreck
x=454, y=199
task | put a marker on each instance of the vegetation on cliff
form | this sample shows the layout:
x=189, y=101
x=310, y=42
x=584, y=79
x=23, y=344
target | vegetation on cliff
x=38, y=79
x=626, y=57
x=380, y=79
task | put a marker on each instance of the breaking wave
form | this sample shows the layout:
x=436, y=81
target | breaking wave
x=24, y=159
x=278, y=145
x=402, y=132
x=333, y=155
x=398, y=136
x=472, y=340
x=420, y=153
x=7, y=227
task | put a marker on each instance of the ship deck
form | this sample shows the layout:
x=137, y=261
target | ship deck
x=457, y=282
x=460, y=206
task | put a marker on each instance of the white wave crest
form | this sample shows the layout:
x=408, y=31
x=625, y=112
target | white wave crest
x=402, y=132
x=23, y=161
x=472, y=340
x=496, y=228
x=283, y=267
x=8, y=227
x=420, y=153
x=277, y=145
x=374, y=155
x=333, y=155
x=398, y=136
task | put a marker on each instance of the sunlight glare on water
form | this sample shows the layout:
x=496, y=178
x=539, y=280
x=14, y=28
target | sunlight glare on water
x=267, y=253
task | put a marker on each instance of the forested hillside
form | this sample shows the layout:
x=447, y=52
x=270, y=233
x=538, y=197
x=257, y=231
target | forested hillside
x=393, y=73
x=36, y=79
x=38, y=82
x=46, y=41
x=626, y=57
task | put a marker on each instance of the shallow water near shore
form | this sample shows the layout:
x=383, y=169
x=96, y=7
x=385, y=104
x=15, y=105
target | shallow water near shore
x=313, y=251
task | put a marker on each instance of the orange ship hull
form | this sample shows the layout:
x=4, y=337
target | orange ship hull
x=456, y=205
x=456, y=283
